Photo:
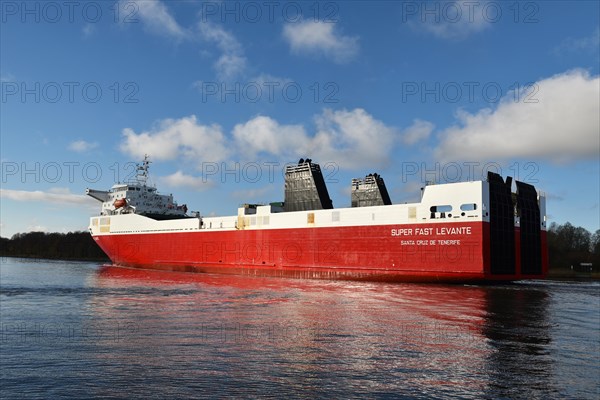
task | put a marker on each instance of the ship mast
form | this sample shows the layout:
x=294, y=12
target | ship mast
x=142, y=170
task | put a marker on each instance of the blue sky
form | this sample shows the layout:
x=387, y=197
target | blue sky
x=222, y=95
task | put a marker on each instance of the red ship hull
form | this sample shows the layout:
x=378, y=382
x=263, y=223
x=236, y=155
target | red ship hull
x=448, y=252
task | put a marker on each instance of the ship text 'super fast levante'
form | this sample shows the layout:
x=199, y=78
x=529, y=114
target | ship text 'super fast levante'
x=466, y=231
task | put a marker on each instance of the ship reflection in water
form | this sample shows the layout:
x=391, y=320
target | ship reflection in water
x=252, y=336
x=78, y=330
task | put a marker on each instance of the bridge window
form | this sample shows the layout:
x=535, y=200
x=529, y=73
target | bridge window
x=468, y=207
x=444, y=209
x=440, y=211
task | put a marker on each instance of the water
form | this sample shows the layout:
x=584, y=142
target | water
x=83, y=330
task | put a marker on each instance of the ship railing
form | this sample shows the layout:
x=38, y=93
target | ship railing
x=137, y=182
x=302, y=168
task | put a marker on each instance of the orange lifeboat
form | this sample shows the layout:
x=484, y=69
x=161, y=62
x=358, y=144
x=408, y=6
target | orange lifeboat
x=120, y=203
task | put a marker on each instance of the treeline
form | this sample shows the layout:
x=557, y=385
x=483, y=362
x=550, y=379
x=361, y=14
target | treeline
x=570, y=246
x=64, y=246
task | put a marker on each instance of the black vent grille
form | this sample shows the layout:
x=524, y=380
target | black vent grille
x=305, y=188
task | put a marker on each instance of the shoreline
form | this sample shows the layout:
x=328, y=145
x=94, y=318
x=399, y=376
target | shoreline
x=31, y=257
x=556, y=274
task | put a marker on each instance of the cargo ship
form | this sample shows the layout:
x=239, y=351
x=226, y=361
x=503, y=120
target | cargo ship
x=457, y=232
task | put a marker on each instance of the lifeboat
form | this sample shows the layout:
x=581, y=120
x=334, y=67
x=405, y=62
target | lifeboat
x=120, y=203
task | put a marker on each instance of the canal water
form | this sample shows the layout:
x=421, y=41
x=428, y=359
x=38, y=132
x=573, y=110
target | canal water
x=83, y=330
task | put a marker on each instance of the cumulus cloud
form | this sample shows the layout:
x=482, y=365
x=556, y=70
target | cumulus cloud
x=418, y=131
x=174, y=138
x=55, y=196
x=559, y=123
x=452, y=20
x=265, y=135
x=317, y=37
x=180, y=179
x=155, y=17
x=81, y=146
x=351, y=139
x=232, y=62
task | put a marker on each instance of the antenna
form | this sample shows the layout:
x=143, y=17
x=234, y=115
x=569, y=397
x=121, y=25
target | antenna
x=142, y=170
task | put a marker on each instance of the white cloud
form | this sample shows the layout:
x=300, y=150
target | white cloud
x=56, y=196
x=7, y=77
x=418, y=131
x=154, y=15
x=587, y=44
x=316, y=37
x=351, y=139
x=88, y=30
x=454, y=20
x=179, y=179
x=81, y=146
x=408, y=192
x=229, y=66
x=59, y=190
x=266, y=80
x=174, y=138
x=252, y=194
x=157, y=19
x=232, y=61
x=562, y=126
x=263, y=134
x=36, y=228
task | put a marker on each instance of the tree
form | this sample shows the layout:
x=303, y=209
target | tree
x=70, y=246
x=569, y=245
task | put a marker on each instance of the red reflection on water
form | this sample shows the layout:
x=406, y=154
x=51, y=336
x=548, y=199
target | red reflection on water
x=313, y=327
x=123, y=276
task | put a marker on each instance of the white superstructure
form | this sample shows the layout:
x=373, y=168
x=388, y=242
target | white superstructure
x=462, y=202
x=138, y=197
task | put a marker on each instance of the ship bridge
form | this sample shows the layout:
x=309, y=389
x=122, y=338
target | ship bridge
x=137, y=197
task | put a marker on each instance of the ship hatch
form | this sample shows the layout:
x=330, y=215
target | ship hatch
x=502, y=225
x=529, y=212
x=370, y=191
x=305, y=187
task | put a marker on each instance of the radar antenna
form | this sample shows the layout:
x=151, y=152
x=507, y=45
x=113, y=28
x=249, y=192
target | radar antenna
x=142, y=170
